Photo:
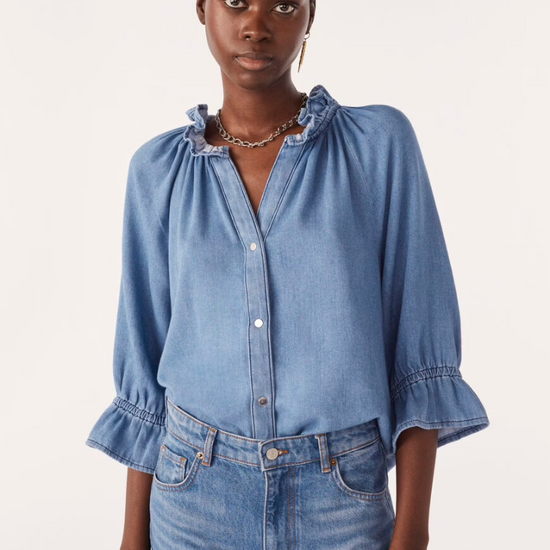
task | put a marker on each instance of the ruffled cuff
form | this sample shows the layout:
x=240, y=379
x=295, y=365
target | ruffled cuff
x=129, y=434
x=437, y=398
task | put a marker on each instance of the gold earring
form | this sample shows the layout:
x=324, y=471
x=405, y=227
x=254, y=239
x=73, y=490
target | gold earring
x=303, y=51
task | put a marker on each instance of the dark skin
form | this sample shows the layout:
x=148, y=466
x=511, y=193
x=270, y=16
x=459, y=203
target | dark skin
x=255, y=103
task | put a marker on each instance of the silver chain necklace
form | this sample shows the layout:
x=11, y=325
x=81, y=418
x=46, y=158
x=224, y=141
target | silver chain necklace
x=232, y=139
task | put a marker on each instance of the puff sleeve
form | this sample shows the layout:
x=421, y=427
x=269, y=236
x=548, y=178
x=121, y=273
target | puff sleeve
x=421, y=312
x=131, y=428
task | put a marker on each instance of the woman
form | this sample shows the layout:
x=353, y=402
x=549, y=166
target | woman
x=288, y=328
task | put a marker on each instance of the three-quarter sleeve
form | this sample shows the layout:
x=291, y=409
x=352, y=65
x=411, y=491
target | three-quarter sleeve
x=421, y=312
x=131, y=428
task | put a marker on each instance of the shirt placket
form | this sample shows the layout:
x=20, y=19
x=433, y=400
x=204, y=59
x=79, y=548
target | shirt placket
x=252, y=231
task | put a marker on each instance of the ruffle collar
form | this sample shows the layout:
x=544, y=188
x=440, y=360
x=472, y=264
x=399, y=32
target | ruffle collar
x=317, y=113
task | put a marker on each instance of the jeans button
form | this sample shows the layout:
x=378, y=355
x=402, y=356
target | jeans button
x=272, y=453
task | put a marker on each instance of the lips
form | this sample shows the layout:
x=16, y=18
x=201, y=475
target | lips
x=254, y=60
x=256, y=56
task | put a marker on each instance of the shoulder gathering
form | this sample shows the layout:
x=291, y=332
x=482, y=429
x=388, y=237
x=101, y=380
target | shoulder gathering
x=382, y=120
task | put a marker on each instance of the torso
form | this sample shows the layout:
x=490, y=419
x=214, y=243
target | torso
x=253, y=163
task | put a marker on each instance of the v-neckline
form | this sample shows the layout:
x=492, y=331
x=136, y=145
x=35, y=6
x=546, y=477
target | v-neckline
x=239, y=199
x=314, y=117
x=265, y=189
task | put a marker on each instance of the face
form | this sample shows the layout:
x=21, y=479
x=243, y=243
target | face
x=255, y=41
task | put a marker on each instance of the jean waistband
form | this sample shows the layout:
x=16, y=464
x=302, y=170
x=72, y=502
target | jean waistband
x=267, y=454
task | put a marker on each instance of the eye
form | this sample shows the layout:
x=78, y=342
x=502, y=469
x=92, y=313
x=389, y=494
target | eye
x=231, y=3
x=287, y=8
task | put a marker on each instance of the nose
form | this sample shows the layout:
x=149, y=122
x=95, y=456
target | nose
x=254, y=26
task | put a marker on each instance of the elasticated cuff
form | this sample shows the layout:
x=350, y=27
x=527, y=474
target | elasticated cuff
x=437, y=398
x=129, y=434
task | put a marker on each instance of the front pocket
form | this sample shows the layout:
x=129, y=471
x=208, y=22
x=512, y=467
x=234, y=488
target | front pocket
x=174, y=470
x=362, y=472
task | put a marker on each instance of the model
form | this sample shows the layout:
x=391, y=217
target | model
x=288, y=327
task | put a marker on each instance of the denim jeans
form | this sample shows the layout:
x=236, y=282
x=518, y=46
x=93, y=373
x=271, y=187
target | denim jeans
x=216, y=490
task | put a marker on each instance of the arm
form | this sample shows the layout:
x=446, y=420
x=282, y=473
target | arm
x=415, y=463
x=136, y=521
x=432, y=404
x=131, y=429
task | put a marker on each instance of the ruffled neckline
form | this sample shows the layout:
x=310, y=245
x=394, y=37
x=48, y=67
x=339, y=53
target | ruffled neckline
x=316, y=114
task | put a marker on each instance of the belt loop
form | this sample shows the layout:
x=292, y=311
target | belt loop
x=323, y=452
x=209, y=442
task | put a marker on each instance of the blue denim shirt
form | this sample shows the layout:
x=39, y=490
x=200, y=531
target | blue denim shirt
x=333, y=306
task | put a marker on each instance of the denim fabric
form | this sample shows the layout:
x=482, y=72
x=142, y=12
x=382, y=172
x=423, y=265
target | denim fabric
x=333, y=307
x=216, y=490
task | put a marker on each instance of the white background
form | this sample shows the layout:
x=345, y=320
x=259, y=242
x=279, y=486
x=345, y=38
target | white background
x=84, y=84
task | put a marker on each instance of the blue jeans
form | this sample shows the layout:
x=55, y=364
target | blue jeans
x=216, y=490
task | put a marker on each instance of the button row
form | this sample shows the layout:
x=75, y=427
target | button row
x=263, y=400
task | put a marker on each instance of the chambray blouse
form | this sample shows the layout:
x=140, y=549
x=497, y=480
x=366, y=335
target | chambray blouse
x=333, y=306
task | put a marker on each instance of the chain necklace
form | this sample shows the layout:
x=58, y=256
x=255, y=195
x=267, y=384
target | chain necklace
x=232, y=139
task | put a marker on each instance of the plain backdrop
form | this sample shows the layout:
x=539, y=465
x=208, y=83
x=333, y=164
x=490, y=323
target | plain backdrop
x=84, y=84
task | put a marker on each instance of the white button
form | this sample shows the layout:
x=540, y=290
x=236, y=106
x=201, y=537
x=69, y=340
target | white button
x=272, y=453
x=258, y=323
x=253, y=246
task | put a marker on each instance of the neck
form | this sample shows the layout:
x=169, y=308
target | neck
x=253, y=114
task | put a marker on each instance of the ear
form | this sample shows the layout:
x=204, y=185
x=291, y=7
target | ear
x=200, y=11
